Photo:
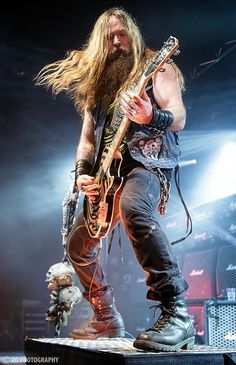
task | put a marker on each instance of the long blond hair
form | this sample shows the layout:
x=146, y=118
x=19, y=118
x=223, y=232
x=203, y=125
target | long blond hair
x=78, y=73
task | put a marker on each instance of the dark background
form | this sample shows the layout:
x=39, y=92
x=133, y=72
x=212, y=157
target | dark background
x=39, y=133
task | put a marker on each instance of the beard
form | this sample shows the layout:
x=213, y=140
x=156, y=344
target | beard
x=116, y=72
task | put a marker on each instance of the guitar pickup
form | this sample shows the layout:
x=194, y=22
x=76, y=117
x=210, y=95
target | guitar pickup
x=103, y=207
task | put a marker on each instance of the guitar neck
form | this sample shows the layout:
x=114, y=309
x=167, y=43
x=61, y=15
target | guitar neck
x=123, y=126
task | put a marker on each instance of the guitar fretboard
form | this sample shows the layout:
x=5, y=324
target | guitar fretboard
x=123, y=124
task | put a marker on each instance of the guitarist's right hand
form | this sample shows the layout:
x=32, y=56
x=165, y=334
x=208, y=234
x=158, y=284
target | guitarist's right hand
x=86, y=184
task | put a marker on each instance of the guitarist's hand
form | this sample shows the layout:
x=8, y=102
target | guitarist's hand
x=137, y=109
x=86, y=184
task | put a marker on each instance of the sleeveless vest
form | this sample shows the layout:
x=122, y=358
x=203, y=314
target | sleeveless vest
x=152, y=148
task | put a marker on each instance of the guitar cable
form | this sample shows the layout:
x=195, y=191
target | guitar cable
x=87, y=263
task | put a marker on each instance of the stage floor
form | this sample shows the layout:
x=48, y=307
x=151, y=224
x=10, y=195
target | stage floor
x=67, y=351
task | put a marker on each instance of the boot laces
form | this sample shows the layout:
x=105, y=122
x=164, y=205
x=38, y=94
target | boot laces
x=164, y=318
x=103, y=314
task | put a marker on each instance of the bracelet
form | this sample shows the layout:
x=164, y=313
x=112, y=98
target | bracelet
x=82, y=167
x=161, y=120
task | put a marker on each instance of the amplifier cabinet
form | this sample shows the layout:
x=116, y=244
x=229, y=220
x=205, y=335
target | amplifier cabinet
x=220, y=323
x=226, y=269
x=198, y=271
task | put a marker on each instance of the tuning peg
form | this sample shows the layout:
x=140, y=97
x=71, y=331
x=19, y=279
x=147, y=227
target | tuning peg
x=162, y=69
x=176, y=53
x=169, y=60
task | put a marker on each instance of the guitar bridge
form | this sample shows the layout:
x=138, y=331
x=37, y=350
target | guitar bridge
x=103, y=207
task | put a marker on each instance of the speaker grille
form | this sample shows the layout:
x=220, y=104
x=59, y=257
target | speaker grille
x=198, y=272
x=226, y=269
x=221, y=324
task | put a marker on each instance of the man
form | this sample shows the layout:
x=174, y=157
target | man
x=97, y=78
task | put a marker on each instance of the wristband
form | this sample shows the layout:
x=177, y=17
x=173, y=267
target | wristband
x=82, y=167
x=161, y=120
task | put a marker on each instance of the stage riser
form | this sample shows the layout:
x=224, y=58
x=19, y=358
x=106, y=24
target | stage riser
x=68, y=355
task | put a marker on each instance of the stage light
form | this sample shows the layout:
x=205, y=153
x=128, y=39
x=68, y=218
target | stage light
x=220, y=179
x=187, y=162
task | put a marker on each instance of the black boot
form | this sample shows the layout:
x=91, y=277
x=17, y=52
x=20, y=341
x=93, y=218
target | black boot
x=106, y=322
x=172, y=331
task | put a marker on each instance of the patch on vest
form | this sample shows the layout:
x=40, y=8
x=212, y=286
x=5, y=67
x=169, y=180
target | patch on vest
x=150, y=148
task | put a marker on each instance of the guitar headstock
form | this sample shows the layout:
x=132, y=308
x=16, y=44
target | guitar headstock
x=168, y=49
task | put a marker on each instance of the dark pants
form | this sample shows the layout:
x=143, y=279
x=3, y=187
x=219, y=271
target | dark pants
x=137, y=209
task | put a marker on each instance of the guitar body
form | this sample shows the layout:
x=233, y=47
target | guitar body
x=99, y=212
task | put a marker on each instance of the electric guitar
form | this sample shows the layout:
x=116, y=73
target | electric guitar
x=99, y=212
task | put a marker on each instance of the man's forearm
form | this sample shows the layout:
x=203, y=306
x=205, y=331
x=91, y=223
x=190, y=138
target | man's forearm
x=85, y=153
x=84, y=160
x=179, y=115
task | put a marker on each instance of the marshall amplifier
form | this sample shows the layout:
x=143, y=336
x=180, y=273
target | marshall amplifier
x=226, y=269
x=33, y=323
x=220, y=323
x=199, y=272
